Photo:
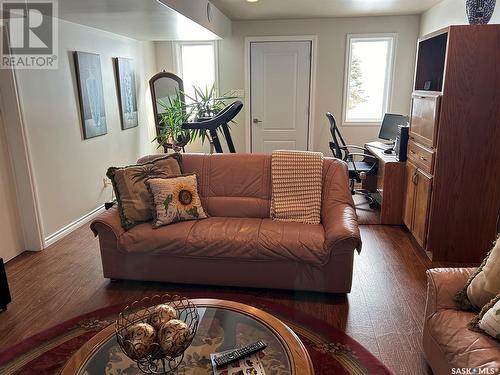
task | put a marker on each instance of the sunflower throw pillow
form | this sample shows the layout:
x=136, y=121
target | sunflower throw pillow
x=175, y=199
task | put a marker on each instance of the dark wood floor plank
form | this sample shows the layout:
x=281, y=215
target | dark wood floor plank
x=383, y=312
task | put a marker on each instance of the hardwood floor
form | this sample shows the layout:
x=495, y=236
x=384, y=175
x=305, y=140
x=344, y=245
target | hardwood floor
x=383, y=312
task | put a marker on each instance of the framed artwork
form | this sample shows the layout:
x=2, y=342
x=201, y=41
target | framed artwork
x=125, y=79
x=90, y=94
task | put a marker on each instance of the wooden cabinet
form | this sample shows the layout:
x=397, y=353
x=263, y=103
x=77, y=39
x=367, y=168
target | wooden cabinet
x=421, y=156
x=423, y=188
x=452, y=198
x=389, y=185
x=425, y=117
x=409, y=195
x=417, y=200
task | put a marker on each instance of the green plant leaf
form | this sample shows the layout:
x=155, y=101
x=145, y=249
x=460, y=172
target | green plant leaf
x=205, y=103
x=167, y=201
x=193, y=211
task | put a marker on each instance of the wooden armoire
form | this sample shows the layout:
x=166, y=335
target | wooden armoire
x=452, y=199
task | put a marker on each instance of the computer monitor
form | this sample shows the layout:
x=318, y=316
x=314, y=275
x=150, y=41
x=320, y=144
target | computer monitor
x=389, y=128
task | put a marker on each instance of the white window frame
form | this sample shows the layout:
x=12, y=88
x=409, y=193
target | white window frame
x=178, y=56
x=389, y=82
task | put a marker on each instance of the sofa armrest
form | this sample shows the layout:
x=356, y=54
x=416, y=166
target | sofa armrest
x=108, y=221
x=442, y=285
x=338, y=214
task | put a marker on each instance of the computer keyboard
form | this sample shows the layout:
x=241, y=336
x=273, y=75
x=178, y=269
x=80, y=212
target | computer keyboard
x=380, y=145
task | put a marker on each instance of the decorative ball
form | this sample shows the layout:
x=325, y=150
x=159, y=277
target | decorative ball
x=139, y=340
x=172, y=337
x=162, y=314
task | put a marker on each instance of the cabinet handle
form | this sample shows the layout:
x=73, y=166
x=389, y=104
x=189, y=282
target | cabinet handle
x=422, y=158
x=414, y=179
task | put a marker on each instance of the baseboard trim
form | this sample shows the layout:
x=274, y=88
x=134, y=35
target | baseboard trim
x=64, y=231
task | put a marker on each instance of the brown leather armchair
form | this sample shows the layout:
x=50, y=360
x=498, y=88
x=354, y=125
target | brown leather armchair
x=447, y=341
x=238, y=245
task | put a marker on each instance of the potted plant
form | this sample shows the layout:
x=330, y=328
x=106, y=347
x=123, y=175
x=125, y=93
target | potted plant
x=173, y=114
x=201, y=106
x=205, y=104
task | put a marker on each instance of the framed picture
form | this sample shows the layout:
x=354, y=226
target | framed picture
x=90, y=94
x=125, y=79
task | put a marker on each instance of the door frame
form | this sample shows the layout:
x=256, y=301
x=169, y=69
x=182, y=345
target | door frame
x=20, y=162
x=312, y=82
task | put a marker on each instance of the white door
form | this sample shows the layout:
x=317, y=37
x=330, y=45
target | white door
x=280, y=74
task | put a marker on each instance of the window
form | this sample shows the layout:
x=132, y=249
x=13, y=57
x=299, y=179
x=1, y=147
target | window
x=369, y=61
x=196, y=65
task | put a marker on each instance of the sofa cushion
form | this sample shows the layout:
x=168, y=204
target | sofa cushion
x=460, y=346
x=249, y=239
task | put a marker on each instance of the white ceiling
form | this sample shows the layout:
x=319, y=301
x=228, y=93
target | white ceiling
x=138, y=19
x=286, y=9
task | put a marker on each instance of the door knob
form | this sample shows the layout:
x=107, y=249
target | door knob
x=256, y=120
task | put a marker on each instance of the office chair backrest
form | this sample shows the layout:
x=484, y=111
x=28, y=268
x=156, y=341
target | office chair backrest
x=338, y=149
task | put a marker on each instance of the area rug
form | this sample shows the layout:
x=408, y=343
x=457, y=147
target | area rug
x=331, y=350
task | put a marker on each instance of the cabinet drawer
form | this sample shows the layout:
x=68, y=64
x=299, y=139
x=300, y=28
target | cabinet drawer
x=421, y=156
x=425, y=117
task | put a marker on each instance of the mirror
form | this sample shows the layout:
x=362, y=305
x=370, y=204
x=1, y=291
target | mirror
x=164, y=85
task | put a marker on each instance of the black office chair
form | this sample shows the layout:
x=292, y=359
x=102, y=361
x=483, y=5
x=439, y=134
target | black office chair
x=221, y=120
x=358, y=170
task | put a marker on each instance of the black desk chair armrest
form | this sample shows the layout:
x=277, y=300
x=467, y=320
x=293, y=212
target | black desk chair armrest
x=366, y=156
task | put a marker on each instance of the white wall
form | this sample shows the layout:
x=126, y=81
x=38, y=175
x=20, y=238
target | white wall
x=69, y=171
x=11, y=243
x=164, y=52
x=330, y=66
x=446, y=13
x=332, y=35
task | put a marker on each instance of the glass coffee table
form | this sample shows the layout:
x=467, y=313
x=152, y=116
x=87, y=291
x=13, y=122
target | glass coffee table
x=223, y=325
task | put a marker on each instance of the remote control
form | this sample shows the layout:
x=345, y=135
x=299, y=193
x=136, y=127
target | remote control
x=239, y=353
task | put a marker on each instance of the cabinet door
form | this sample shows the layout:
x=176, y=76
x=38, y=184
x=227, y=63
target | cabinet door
x=424, y=118
x=411, y=171
x=423, y=188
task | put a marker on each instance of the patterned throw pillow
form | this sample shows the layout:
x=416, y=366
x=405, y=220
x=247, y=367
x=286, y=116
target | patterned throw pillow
x=484, y=284
x=175, y=199
x=134, y=201
x=488, y=320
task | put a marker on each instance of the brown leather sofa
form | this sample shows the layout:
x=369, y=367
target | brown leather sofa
x=447, y=341
x=238, y=245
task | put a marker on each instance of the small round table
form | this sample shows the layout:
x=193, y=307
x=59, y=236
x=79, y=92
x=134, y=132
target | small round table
x=223, y=325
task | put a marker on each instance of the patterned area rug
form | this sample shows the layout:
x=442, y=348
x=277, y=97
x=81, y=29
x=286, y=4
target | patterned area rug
x=331, y=350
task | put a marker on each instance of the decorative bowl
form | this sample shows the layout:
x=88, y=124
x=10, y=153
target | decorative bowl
x=155, y=361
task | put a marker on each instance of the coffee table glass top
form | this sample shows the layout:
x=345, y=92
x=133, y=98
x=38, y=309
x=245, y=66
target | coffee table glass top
x=219, y=329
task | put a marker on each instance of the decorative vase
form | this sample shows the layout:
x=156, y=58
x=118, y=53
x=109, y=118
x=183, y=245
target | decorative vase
x=479, y=12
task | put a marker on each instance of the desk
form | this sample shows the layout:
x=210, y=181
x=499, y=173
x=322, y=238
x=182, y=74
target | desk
x=388, y=186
